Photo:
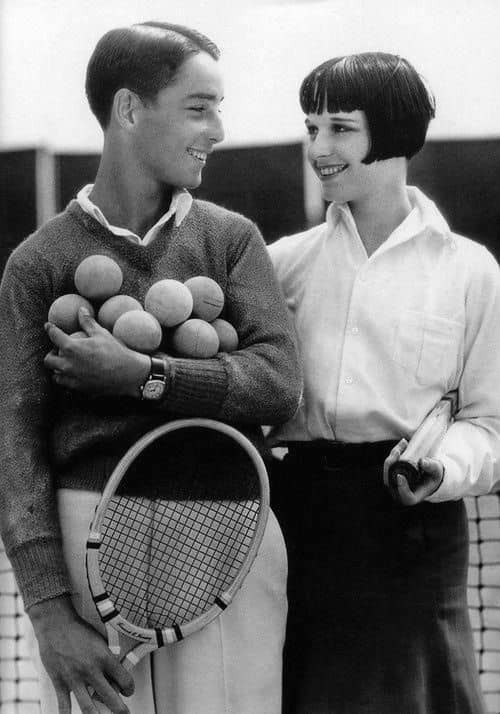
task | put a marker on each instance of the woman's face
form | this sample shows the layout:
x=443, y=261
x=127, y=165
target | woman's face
x=338, y=143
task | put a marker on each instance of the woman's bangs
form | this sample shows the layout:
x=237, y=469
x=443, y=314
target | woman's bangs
x=332, y=89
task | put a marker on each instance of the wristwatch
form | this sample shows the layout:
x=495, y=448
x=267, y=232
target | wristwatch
x=154, y=386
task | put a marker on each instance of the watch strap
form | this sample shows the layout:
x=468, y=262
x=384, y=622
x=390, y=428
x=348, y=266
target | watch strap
x=158, y=370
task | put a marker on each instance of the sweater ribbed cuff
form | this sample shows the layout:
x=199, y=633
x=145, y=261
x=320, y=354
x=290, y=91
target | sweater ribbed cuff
x=40, y=570
x=197, y=386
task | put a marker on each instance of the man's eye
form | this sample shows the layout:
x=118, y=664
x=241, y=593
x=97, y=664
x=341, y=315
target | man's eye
x=197, y=109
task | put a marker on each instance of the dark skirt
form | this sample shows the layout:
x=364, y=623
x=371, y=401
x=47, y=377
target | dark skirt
x=378, y=618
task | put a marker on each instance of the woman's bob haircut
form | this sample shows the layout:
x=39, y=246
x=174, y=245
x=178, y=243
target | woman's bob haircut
x=397, y=103
x=144, y=58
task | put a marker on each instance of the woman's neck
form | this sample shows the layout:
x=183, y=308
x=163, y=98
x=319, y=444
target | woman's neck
x=377, y=216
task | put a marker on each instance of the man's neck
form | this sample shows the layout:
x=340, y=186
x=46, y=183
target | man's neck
x=126, y=201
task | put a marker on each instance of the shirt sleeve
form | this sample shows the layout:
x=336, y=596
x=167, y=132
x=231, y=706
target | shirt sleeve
x=470, y=449
x=28, y=517
x=261, y=381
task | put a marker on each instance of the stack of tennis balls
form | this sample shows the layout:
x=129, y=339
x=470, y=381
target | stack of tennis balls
x=185, y=316
x=189, y=316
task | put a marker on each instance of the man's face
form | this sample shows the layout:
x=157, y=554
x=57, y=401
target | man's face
x=176, y=131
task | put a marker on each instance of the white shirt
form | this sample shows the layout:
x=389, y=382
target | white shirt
x=382, y=338
x=180, y=206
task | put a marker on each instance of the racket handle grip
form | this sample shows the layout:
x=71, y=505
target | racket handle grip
x=424, y=441
x=408, y=469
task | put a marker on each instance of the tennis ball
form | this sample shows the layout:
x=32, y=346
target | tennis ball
x=195, y=338
x=98, y=277
x=64, y=311
x=228, y=337
x=115, y=306
x=169, y=301
x=208, y=298
x=138, y=330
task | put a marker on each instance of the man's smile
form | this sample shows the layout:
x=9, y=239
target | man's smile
x=198, y=155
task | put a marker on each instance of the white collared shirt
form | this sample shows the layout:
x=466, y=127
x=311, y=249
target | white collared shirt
x=382, y=338
x=180, y=206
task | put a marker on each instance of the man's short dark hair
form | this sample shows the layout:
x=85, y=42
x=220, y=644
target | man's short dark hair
x=143, y=58
x=397, y=103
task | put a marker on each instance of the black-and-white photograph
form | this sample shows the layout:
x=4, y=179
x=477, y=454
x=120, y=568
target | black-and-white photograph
x=249, y=357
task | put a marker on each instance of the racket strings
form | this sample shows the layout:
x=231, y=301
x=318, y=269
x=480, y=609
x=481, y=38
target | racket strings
x=165, y=562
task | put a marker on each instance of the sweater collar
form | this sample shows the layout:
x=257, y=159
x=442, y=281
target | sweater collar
x=180, y=205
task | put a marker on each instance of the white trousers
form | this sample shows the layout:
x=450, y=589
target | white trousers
x=232, y=666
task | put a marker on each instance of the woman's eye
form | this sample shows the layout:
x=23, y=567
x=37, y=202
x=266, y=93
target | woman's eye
x=339, y=128
x=197, y=109
x=312, y=130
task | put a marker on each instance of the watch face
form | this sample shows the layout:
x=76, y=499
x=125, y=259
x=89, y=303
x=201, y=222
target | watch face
x=153, y=389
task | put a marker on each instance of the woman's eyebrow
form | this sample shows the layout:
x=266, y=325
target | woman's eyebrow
x=346, y=120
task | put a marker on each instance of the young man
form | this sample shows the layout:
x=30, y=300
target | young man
x=392, y=310
x=156, y=90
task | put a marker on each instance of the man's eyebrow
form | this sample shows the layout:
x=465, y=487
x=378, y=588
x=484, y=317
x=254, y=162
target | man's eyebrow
x=203, y=95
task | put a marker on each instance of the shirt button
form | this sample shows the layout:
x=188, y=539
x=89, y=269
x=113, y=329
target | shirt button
x=354, y=330
x=348, y=380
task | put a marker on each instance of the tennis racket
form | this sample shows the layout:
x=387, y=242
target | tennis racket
x=425, y=440
x=175, y=533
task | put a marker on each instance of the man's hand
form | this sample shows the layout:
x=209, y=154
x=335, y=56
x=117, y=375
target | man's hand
x=76, y=657
x=431, y=473
x=98, y=364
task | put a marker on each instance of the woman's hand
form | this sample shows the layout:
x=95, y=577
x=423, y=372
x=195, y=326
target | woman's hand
x=431, y=472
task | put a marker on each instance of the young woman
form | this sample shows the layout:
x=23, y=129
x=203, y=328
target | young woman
x=392, y=310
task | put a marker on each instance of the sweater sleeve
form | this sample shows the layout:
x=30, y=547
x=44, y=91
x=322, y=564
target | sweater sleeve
x=260, y=382
x=470, y=450
x=28, y=517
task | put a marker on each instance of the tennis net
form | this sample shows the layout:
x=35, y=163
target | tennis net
x=18, y=681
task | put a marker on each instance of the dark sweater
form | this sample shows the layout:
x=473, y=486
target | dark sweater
x=55, y=438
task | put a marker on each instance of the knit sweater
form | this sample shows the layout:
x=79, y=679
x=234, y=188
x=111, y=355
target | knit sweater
x=54, y=438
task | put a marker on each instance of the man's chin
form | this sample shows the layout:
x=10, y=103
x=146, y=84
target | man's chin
x=193, y=182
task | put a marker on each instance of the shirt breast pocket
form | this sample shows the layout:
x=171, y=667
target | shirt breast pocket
x=428, y=347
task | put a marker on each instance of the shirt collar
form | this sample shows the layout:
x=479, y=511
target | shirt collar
x=180, y=205
x=424, y=217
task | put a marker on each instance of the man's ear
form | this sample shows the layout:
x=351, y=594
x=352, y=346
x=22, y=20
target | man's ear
x=125, y=107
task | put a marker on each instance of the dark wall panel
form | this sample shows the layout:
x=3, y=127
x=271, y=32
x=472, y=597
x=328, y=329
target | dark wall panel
x=463, y=178
x=72, y=172
x=265, y=183
x=17, y=199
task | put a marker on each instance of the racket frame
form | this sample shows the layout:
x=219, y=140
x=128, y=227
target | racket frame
x=152, y=638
